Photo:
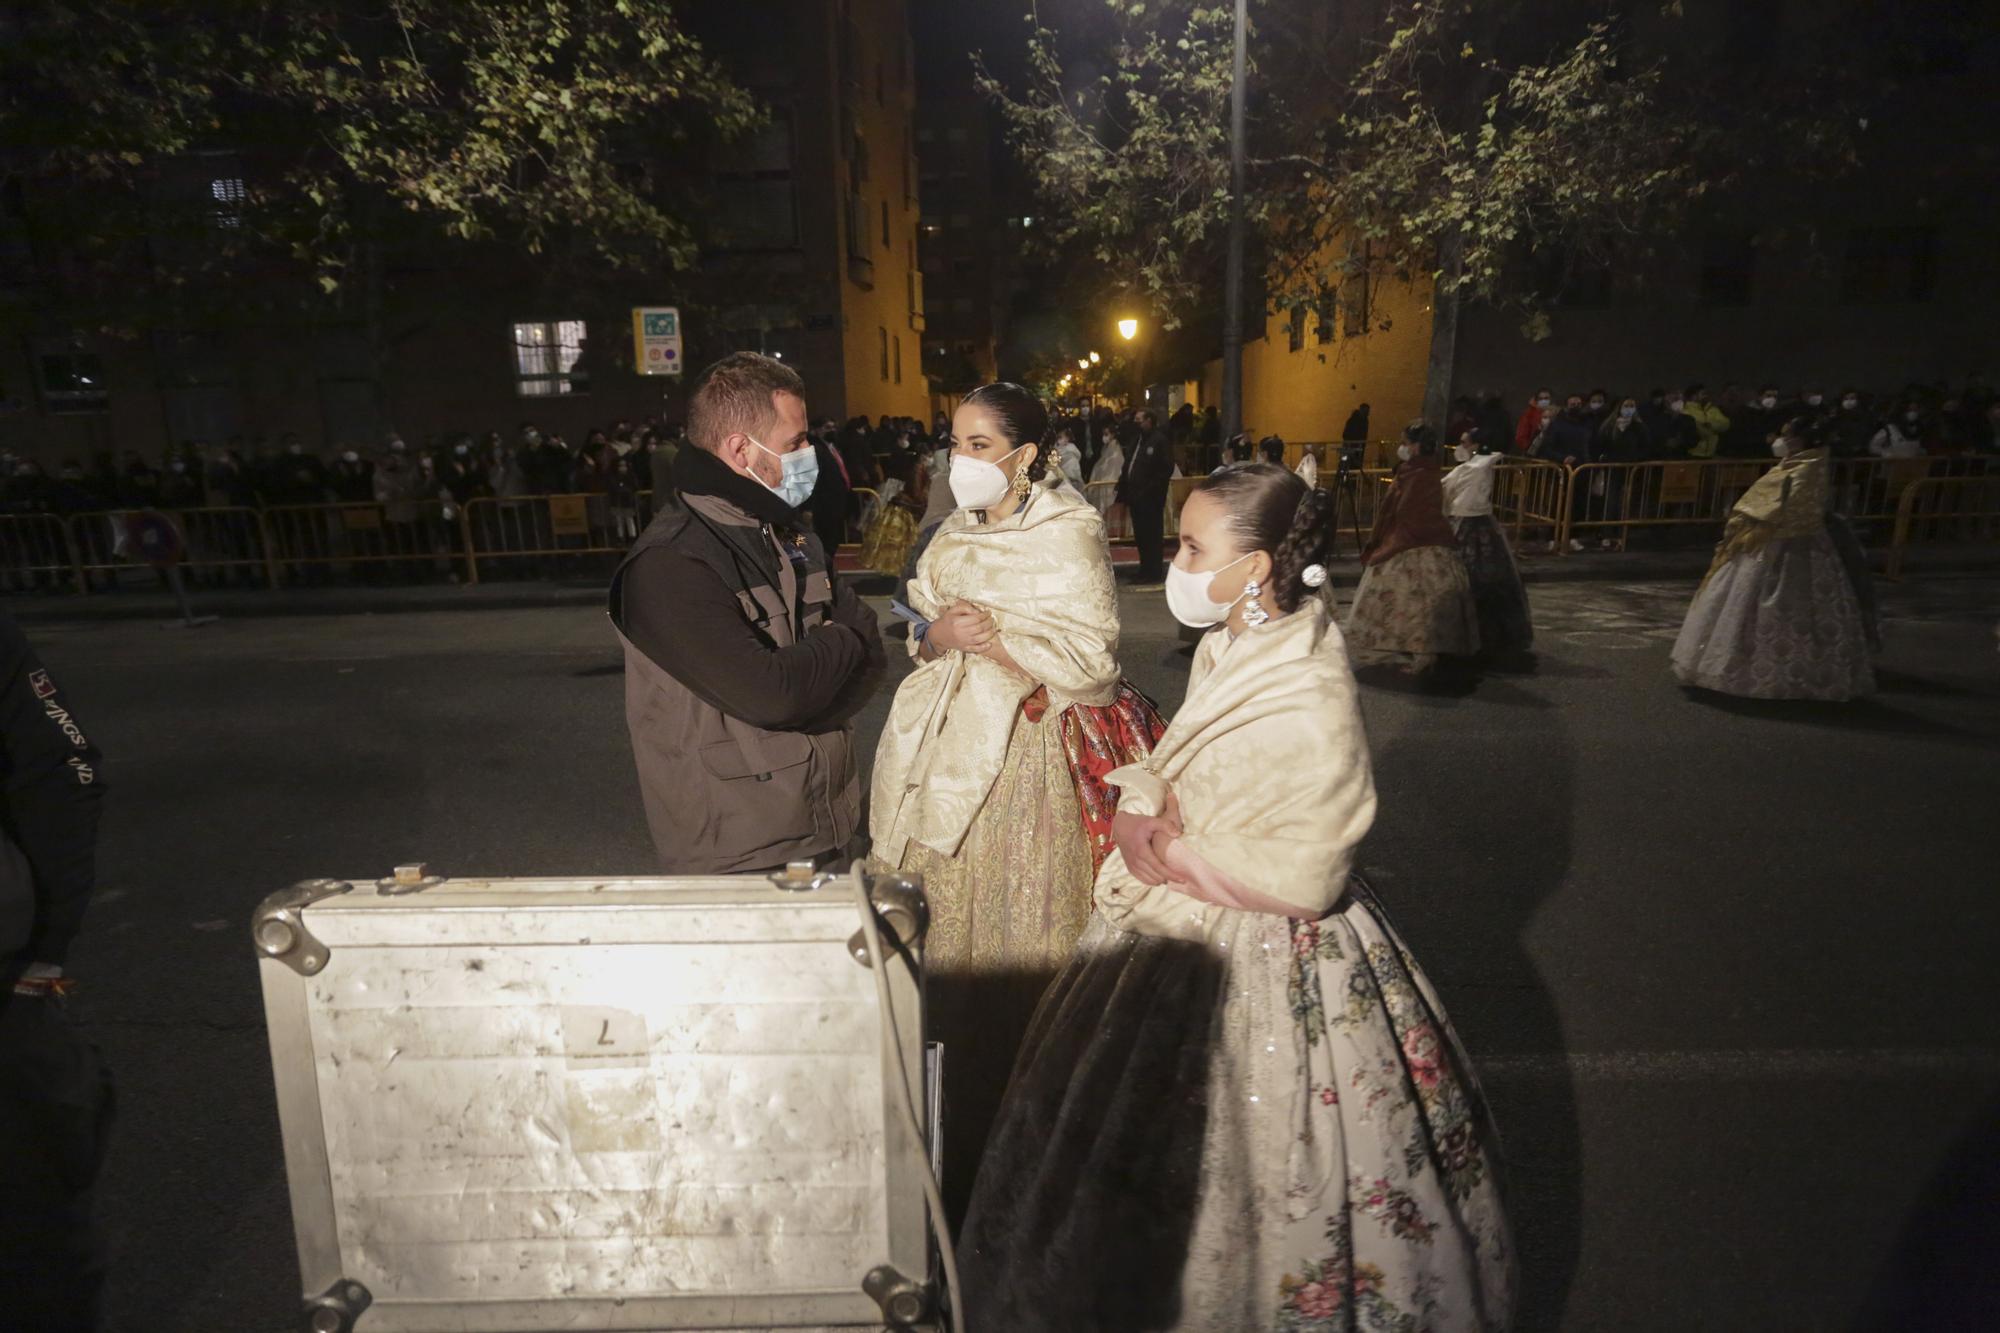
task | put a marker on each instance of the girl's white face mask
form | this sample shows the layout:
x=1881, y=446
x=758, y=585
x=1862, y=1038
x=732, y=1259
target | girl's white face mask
x=978, y=484
x=1189, y=600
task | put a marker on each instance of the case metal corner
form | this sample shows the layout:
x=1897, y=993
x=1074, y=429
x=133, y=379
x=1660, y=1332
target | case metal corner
x=335, y=1309
x=278, y=927
x=905, y=1302
x=904, y=911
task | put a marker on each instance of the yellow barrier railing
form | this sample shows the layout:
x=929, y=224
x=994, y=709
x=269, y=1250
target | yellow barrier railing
x=35, y=552
x=219, y=539
x=1531, y=496
x=1950, y=509
x=1924, y=499
x=1610, y=499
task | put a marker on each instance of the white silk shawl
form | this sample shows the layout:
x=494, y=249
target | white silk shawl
x=1044, y=574
x=1270, y=763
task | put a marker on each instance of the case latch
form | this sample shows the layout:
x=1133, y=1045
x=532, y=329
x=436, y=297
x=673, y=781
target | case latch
x=412, y=878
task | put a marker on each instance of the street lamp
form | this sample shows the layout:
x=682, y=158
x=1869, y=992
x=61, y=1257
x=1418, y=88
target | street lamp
x=1083, y=363
x=1093, y=358
x=1128, y=329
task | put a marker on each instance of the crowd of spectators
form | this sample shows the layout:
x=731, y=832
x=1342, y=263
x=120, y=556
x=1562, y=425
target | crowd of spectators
x=1597, y=426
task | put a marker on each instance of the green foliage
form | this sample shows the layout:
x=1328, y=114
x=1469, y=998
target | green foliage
x=1439, y=138
x=524, y=123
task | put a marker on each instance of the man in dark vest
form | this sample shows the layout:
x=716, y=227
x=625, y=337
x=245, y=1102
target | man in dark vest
x=745, y=658
x=55, y=1096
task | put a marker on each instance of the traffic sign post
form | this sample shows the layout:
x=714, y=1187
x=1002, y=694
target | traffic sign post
x=656, y=340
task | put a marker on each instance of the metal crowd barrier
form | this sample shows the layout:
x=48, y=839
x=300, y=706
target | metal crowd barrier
x=1903, y=501
x=1611, y=499
x=36, y=553
x=217, y=543
x=542, y=533
x=1960, y=508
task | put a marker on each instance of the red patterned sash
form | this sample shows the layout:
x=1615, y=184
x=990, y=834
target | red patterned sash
x=1097, y=740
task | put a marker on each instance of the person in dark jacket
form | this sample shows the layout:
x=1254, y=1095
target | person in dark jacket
x=745, y=656
x=832, y=493
x=1149, y=466
x=55, y=1096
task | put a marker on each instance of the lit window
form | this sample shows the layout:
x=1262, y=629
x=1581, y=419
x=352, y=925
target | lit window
x=73, y=381
x=547, y=357
x=228, y=196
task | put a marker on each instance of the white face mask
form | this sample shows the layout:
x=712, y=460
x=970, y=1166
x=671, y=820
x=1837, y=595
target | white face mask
x=1627, y=412
x=978, y=484
x=1188, y=599
x=798, y=473
x=1812, y=400
x=1768, y=401
x=1850, y=403
x=1675, y=404
x=1463, y=453
x=1405, y=452
x=1542, y=403
x=1780, y=448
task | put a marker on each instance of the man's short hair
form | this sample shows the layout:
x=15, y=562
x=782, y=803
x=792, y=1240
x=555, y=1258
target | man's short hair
x=734, y=395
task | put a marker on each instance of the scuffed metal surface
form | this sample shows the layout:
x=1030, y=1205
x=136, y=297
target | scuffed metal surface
x=551, y=1120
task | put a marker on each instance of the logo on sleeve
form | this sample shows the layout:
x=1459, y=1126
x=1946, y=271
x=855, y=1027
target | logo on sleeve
x=39, y=682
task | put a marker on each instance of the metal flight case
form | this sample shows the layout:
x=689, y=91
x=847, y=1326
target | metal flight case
x=512, y=1105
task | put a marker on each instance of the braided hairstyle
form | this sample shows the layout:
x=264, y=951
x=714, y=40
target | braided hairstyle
x=1021, y=418
x=1271, y=509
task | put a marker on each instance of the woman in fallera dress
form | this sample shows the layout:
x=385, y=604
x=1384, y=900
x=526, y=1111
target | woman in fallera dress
x=1414, y=604
x=1787, y=610
x=989, y=779
x=1241, y=1106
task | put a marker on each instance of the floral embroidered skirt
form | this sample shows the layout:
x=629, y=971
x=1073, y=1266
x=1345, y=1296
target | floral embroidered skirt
x=1276, y=1130
x=1498, y=595
x=1780, y=622
x=1416, y=604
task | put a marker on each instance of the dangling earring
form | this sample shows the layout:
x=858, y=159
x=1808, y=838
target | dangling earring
x=1020, y=484
x=1254, y=613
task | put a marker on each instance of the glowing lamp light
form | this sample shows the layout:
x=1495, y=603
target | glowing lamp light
x=1128, y=329
x=1083, y=363
x=1094, y=358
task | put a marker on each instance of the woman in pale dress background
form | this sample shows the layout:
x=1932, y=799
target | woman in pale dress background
x=1498, y=594
x=1241, y=1106
x=989, y=777
x=1787, y=610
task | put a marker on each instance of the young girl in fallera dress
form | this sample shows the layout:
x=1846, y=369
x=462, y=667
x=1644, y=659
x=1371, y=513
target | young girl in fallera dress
x=1241, y=1106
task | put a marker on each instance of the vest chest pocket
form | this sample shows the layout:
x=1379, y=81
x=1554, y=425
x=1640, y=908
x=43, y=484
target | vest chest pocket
x=817, y=596
x=769, y=755
x=761, y=606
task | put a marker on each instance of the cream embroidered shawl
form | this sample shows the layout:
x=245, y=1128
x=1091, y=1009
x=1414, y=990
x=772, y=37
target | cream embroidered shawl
x=1788, y=501
x=1044, y=574
x=1270, y=763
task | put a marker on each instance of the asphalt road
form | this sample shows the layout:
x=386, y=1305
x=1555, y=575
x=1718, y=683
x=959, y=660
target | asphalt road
x=1728, y=970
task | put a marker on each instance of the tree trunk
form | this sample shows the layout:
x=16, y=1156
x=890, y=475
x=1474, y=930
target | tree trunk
x=1232, y=282
x=1444, y=337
